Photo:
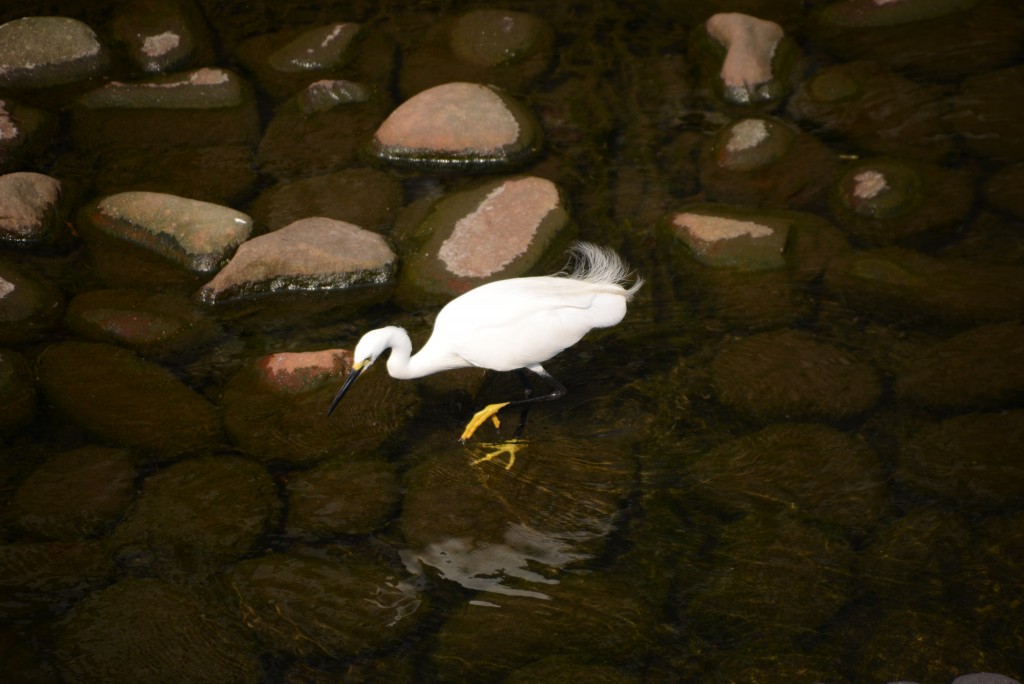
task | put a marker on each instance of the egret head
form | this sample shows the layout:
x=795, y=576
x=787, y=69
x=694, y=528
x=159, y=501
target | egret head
x=370, y=346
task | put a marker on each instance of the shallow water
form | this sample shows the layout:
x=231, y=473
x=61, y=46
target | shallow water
x=767, y=476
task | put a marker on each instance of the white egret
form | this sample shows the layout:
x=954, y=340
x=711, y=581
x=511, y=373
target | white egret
x=509, y=325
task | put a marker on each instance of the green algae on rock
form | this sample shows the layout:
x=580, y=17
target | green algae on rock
x=342, y=497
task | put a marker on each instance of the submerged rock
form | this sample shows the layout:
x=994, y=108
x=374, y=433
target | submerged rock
x=24, y=131
x=463, y=126
x=310, y=255
x=888, y=201
x=121, y=398
x=364, y=197
x=42, y=578
x=17, y=392
x=982, y=368
x=154, y=324
x=76, y=494
x=155, y=631
x=274, y=409
x=500, y=229
x=911, y=288
x=29, y=304
x=788, y=374
x=302, y=606
x=125, y=229
x=745, y=60
x=968, y=460
x=340, y=497
x=162, y=35
x=31, y=209
x=877, y=109
x=504, y=48
x=42, y=52
x=196, y=516
x=813, y=470
x=984, y=113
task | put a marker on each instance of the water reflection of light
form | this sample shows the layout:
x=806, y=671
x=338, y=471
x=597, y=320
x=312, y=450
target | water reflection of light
x=486, y=566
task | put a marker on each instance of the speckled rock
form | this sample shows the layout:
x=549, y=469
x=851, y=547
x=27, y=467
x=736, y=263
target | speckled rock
x=771, y=572
x=75, y=495
x=813, y=470
x=500, y=229
x=982, y=368
x=910, y=287
x=765, y=162
x=789, y=374
x=985, y=114
x=302, y=605
x=128, y=232
x=888, y=201
x=939, y=39
x=310, y=255
x=464, y=126
x=45, y=577
x=968, y=460
x=340, y=497
x=24, y=132
x=504, y=48
x=152, y=323
x=31, y=210
x=724, y=239
x=745, y=60
x=17, y=392
x=275, y=408
x=197, y=108
x=42, y=52
x=302, y=139
x=365, y=197
x=161, y=35
x=595, y=619
x=121, y=398
x=196, y=516
x=877, y=109
x=155, y=631
x=29, y=304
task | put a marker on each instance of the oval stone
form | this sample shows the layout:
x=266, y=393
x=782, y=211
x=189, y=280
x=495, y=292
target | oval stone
x=40, y=52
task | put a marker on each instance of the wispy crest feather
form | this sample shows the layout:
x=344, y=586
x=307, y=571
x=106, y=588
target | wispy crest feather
x=600, y=266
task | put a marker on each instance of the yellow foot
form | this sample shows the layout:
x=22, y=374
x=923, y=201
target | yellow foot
x=511, y=447
x=481, y=417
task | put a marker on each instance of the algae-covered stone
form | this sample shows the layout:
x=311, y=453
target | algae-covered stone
x=162, y=35
x=978, y=369
x=771, y=572
x=274, y=408
x=195, y=236
x=341, y=497
x=910, y=287
x=42, y=52
x=985, y=111
x=17, y=392
x=765, y=162
x=197, y=515
x=154, y=631
x=364, y=197
x=29, y=303
x=968, y=460
x=204, y=88
x=464, y=126
x=121, y=398
x=31, y=210
x=75, y=494
x=153, y=323
x=321, y=48
x=45, y=577
x=814, y=470
x=310, y=255
x=595, y=619
x=745, y=60
x=888, y=201
x=877, y=109
x=723, y=238
x=789, y=374
x=301, y=605
x=501, y=229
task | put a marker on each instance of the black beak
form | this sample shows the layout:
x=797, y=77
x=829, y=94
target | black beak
x=356, y=372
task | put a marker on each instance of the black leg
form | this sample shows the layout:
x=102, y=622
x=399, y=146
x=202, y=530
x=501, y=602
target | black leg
x=489, y=412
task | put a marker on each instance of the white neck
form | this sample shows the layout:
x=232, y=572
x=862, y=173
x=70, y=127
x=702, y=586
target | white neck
x=401, y=365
